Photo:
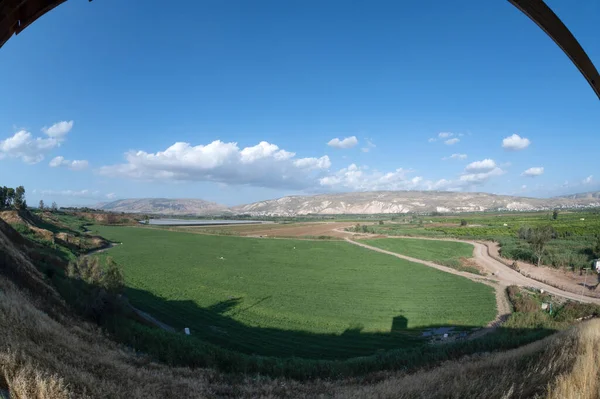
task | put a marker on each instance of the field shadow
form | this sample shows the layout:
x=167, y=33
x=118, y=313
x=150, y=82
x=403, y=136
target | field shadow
x=216, y=324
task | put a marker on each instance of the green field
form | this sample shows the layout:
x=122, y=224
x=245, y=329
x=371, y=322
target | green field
x=291, y=297
x=443, y=252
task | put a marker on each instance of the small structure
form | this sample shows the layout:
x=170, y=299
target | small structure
x=596, y=265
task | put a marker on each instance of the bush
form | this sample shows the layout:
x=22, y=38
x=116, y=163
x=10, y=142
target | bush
x=463, y=222
x=96, y=287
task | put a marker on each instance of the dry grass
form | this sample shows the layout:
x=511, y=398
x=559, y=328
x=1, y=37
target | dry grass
x=52, y=354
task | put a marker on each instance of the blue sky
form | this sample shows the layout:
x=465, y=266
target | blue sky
x=237, y=101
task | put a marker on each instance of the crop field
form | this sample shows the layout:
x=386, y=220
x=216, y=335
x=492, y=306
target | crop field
x=312, y=299
x=446, y=253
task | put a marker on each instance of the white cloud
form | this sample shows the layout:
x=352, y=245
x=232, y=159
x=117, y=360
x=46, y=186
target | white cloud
x=478, y=178
x=73, y=165
x=481, y=166
x=31, y=149
x=588, y=179
x=432, y=140
x=59, y=129
x=455, y=156
x=348, y=142
x=111, y=196
x=313, y=163
x=369, y=146
x=445, y=135
x=362, y=179
x=532, y=172
x=92, y=194
x=524, y=186
x=452, y=141
x=515, y=143
x=262, y=165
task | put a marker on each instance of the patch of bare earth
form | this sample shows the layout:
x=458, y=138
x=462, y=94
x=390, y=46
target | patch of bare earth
x=566, y=280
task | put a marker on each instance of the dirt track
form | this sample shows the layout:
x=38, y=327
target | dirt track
x=502, y=304
x=502, y=273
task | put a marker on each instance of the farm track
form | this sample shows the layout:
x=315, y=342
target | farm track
x=502, y=303
x=502, y=273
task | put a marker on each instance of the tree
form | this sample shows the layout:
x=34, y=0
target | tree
x=555, y=214
x=54, y=207
x=3, y=196
x=596, y=248
x=19, y=198
x=10, y=197
x=463, y=222
x=380, y=222
x=41, y=205
x=538, y=238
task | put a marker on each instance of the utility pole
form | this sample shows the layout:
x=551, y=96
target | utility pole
x=584, y=282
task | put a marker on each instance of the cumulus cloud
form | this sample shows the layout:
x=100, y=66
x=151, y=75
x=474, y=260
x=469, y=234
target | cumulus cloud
x=59, y=129
x=481, y=166
x=515, y=143
x=588, y=179
x=369, y=146
x=533, y=172
x=32, y=149
x=432, y=140
x=455, y=156
x=262, y=165
x=478, y=178
x=73, y=165
x=358, y=178
x=348, y=142
x=445, y=135
x=451, y=141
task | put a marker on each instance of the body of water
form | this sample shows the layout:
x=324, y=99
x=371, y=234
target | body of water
x=199, y=222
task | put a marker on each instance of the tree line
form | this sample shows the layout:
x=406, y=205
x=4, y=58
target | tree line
x=12, y=198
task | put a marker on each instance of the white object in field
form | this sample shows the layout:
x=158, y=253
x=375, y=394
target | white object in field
x=294, y=247
x=187, y=331
x=544, y=306
x=505, y=225
x=541, y=291
x=222, y=258
x=582, y=219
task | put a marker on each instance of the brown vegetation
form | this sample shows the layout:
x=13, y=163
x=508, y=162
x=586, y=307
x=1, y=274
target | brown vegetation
x=47, y=352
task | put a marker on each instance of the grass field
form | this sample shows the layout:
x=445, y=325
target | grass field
x=442, y=252
x=290, y=297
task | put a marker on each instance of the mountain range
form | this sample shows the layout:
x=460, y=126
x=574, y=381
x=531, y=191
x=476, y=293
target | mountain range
x=374, y=202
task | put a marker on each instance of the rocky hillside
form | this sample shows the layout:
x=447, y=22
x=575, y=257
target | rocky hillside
x=165, y=206
x=374, y=202
x=409, y=201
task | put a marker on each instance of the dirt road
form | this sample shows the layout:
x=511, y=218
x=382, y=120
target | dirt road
x=502, y=273
x=502, y=303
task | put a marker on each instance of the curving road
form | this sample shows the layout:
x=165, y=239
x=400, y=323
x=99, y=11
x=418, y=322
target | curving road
x=503, y=275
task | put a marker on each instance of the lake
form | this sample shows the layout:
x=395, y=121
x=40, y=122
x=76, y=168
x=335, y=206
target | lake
x=199, y=222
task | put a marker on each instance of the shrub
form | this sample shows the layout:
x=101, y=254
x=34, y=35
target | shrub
x=463, y=222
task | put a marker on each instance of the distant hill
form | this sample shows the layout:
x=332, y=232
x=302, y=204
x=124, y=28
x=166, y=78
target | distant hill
x=409, y=201
x=373, y=202
x=165, y=206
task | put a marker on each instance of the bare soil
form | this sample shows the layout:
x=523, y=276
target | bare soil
x=566, y=280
